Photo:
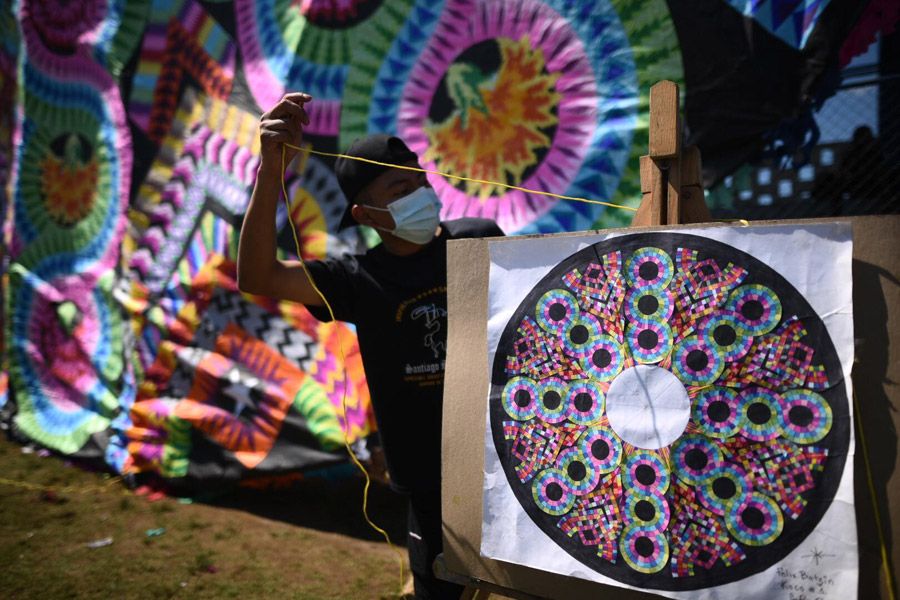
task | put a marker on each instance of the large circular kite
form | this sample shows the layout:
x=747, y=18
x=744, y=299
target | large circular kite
x=521, y=93
x=670, y=411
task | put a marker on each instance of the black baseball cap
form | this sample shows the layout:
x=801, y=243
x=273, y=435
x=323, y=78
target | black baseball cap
x=354, y=175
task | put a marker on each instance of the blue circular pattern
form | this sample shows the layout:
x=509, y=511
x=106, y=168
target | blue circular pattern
x=717, y=412
x=602, y=447
x=551, y=406
x=657, y=301
x=645, y=471
x=813, y=421
x=556, y=310
x=760, y=409
x=516, y=389
x=660, y=335
x=551, y=492
x=694, y=458
x=586, y=402
x=604, y=360
x=695, y=364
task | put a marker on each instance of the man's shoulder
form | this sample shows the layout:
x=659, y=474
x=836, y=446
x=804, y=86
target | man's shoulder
x=343, y=264
x=472, y=227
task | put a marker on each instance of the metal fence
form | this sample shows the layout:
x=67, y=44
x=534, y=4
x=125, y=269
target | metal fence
x=853, y=168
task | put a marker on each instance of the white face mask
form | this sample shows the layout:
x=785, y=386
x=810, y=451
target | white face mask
x=416, y=215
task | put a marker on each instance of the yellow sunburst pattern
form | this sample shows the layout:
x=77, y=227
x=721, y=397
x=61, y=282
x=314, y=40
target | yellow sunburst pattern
x=496, y=131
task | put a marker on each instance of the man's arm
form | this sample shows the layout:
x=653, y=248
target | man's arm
x=259, y=270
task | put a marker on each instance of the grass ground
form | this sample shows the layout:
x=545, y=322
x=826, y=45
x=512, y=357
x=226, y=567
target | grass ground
x=309, y=542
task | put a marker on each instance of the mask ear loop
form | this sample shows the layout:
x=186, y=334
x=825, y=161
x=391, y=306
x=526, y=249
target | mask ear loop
x=344, y=429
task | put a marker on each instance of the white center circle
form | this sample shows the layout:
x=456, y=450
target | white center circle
x=647, y=407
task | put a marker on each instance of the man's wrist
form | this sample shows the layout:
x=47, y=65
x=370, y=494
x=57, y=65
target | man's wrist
x=269, y=168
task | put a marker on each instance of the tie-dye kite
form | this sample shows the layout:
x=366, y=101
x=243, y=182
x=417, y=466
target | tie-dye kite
x=128, y=151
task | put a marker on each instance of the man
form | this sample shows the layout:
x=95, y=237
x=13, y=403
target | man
x=395, y=294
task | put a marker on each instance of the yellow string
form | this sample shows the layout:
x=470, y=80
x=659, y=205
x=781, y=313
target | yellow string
x=356, y=461
x=461, y=178
x=885, y=560
x=743, y=222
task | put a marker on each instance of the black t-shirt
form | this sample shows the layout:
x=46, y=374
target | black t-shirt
x=399, y=307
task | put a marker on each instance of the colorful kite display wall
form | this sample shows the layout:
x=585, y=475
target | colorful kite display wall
x=672, y=409
x=128, y=151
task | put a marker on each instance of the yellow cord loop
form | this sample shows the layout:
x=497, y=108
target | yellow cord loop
x=345, y=428
x=461, y=178
x=885, y=558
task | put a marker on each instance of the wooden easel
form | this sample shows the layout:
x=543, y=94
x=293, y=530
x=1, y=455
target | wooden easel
x=672, y=194
x=671, y=182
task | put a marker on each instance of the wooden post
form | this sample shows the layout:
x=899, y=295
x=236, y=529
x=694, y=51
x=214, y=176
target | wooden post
x=671, y=181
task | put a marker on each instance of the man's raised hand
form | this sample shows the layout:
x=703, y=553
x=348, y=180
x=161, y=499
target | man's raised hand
x=283, y=124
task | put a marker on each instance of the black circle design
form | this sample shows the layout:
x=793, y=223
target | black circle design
x=742, y=413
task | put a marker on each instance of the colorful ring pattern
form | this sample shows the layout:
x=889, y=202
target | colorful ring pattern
x=580, y=335
x=645, y=549
x=725, y=485
x=649, y=304
x=694, y=458
x=521, y=396
x=760, y=409
x=813, y=421
x=649, y=267
x=639, y=506
x=551, y=492
x=757, y=307
x=586, y=402
x=756, y=522
x=602, y=447
x=578, y=469
x=645, y=471
x=725, y=333
x=649, y=341
x=555, y=310
x=551, y=406
x=717, y=412
x=605, y=359
x=695, y=363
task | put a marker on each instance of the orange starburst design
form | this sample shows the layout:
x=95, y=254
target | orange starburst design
x=496, y=131
x=68, y=189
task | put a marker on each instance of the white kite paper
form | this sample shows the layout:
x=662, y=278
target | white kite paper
x=669, y=411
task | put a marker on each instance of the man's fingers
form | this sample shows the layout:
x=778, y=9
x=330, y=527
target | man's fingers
x=277, y=130
x=301, y=97
x=285, y=121
x=282, y=137
x=288, y=110
x=276, y=124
